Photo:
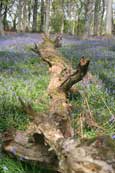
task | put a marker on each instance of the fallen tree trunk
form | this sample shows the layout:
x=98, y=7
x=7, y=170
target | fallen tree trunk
x=49, y=137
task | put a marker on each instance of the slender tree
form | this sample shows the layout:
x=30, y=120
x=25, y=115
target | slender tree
x=35, y=8
x=22, y=16
x=5, y=17
x=109, y=17
x=1, y=18
x=20, y=6
x=102, y=17
x=42, y=16
x=96, y=17
x=88, y=16
x=62, y=21
x=25, y=16
x=47, y=16
x=14, y=23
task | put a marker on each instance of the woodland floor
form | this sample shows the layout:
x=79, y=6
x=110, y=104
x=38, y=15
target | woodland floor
x=23, y=74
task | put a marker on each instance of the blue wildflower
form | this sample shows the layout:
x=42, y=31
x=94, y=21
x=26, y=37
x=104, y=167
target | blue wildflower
x=113, y=136
x=112, y=119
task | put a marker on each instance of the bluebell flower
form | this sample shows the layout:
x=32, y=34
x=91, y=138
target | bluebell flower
x=112, y=119
x=113, y=136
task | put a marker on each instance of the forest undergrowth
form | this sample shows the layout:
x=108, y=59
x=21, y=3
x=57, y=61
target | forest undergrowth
x=23, y=74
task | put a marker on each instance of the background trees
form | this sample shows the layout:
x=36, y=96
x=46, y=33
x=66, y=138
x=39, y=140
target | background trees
x=5, y=5
x=1, y=24
x=76, y=17
x=109, y=17
x=35, y=10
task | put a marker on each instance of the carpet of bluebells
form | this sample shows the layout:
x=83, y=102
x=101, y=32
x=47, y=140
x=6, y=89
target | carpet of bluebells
x=22, y=73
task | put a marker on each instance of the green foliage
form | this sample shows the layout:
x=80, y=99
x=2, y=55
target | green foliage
x=79, y=29
x=9, y=166
x=28, y=78
x=5, y=2
x=99, y=93
x=56, y=22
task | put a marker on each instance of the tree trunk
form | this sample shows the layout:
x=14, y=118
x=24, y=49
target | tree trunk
x=102, y=17
x=20, y=6
x=14, y=23
x=96, y=17
x=5, y=18
x=79, y=10
x=62, y=25
x=22, y=16
x=47, y=16
x=1, y=22
x=42, y=16
x=62, y=19
x=73, y=28
x=25, y=16
x=1, y=26
x=88, y=15
x=109, y=17
x=73, y=16
x=29, y=14
x=35, y=8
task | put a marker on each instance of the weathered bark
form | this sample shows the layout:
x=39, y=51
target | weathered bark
x=1, y=22
x=35, y=8
x=49, y=138
x=62, y=17
x=109, y=17
x=19, y=26
x=22, y=16
x=47, y=16
x=42, y=16
x=14, y=23
x=102, y=17
x=29, y=14
x=1, y=26
x=88, y=15
x=79, y=11
x=5, y=18
x=29, y=148
x=96, y=17
x=25, y=16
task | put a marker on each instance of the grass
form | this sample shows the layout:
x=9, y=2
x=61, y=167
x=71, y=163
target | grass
x=8, y=165
x=28, y=78
x=100, y=93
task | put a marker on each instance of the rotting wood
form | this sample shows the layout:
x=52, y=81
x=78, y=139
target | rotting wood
x=49, y=137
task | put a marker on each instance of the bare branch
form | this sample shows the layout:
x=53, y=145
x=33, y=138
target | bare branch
x=77, y=75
